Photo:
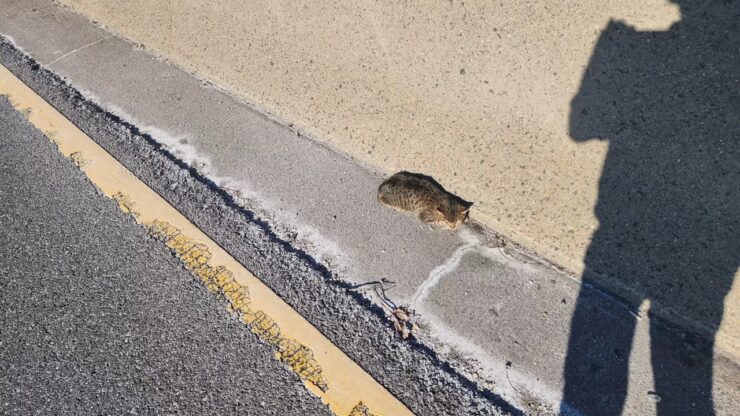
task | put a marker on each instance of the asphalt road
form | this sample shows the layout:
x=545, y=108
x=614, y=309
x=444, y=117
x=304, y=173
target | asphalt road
x=98, y=318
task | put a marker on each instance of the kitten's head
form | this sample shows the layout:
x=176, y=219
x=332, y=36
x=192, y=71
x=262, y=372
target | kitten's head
x=455, y=212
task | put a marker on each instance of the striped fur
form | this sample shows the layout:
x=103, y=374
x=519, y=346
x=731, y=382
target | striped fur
x=424, y=197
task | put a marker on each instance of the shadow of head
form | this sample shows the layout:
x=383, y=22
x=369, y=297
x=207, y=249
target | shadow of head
x=655, y=77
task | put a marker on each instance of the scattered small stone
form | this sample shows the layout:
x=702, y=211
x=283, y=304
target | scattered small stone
x=653, y=396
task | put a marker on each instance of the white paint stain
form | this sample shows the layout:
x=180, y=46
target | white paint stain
x=510, y=383
x=471, y=244
x=13, y=42
x=437, y=273
x=308, y=237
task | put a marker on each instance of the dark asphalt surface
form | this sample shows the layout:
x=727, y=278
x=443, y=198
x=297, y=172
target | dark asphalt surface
x=98, y=318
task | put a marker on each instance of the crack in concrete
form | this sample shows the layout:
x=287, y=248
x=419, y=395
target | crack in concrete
x=72, y=52
x=436, y=274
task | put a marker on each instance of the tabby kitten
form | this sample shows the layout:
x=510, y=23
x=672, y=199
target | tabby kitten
x=424, y=197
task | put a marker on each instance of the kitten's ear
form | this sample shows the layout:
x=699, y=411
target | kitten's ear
x=464, y=212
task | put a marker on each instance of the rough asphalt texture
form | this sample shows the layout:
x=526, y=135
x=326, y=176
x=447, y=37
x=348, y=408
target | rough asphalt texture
x=411, y=371
x=97, y=318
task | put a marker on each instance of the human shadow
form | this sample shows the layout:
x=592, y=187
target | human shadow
x=668, y=103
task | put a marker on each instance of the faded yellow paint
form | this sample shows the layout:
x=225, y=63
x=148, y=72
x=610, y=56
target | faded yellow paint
x=361, y=410
x=125, y=203
x=196, y=257
x=78, y=159
x=325, y=369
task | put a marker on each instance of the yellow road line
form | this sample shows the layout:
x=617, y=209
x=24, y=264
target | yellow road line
x=325, y=369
